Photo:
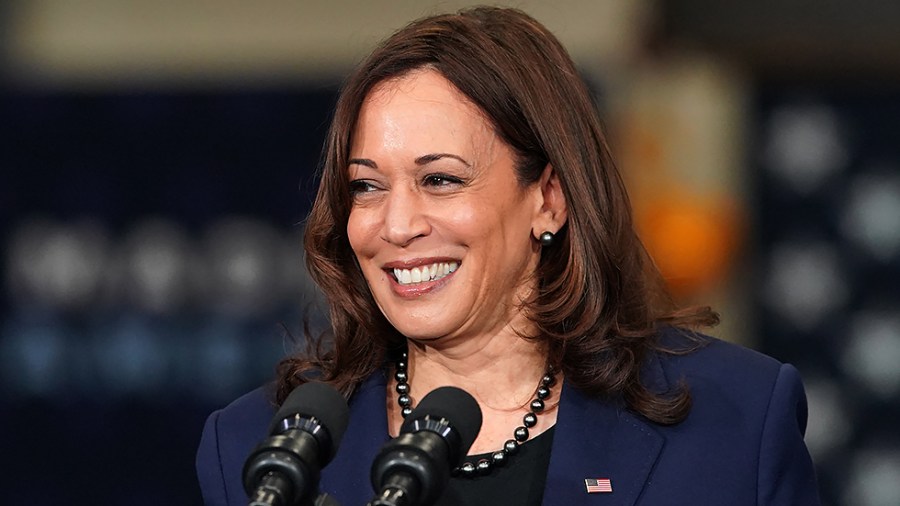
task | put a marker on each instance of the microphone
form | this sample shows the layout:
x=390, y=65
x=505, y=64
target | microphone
x=414, y=468
x=303, y=437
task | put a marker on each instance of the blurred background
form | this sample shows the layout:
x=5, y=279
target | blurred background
x=157, y=159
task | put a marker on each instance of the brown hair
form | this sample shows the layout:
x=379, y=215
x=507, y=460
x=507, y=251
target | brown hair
x=600, y=301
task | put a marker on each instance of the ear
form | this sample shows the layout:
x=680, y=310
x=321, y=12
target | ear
x=551, y=211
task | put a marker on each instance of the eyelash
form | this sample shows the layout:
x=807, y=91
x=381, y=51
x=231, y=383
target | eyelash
x=358, y=186
x=440, y=180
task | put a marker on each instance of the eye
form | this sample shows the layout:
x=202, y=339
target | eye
x=359, y=186
x=441, y=180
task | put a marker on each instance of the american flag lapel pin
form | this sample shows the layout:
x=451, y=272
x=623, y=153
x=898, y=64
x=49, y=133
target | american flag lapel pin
x=598, y=485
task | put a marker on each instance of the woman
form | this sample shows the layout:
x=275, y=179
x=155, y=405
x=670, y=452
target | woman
x=471, y=230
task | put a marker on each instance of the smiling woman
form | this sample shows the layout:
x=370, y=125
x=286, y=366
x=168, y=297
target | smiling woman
x=430, y=185
x=472, y=230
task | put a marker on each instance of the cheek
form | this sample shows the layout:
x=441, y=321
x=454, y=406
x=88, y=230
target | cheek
x=358, y=232
x=492, y=219
x=466, y=220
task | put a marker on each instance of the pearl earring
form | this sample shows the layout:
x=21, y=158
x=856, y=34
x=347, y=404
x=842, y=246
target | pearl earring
x=547, y=239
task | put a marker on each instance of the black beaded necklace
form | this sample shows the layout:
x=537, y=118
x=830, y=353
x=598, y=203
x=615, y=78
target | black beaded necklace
x=499, y=457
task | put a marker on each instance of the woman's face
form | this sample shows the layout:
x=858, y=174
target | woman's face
x=439, y=224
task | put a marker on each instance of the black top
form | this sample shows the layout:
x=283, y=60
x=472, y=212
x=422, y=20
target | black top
x=520, y=481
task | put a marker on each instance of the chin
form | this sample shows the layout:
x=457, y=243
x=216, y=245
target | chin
x=417, y=333
x=424, y=329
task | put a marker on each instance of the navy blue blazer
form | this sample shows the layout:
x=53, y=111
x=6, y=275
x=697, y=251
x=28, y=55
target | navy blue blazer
x=742, y=443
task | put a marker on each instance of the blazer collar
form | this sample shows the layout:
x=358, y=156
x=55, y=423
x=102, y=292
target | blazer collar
x=599, y=439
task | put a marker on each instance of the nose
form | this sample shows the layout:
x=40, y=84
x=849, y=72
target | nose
x=405, y=217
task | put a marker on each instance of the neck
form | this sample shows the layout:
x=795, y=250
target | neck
x=502, y=375
x=501, y=372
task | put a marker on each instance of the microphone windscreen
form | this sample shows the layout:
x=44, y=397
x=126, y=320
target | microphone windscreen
x=453, y=404
x=318, y=400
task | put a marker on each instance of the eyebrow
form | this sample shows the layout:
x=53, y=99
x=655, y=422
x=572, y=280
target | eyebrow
x=422, y=160
x=363, y=161
x=426, y=159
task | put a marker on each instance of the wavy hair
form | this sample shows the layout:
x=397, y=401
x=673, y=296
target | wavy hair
x=600, y=300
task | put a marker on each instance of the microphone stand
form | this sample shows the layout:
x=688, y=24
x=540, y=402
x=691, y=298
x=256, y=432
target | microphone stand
x=268, y=493
x=398, y=491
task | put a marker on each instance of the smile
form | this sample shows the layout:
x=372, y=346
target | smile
x=424, y=273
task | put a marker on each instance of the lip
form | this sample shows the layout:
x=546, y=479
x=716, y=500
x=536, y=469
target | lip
x=424, y=287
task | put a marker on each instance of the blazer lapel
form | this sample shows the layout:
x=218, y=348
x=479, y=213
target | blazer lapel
x=346, y=478
x=596, y=439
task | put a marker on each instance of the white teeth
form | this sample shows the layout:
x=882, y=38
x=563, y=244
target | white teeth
x=424, y=273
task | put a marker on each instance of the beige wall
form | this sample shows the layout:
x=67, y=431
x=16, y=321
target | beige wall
x=214, y=42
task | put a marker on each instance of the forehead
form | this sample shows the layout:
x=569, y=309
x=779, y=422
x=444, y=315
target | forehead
x=422, y=95
x=422, y=83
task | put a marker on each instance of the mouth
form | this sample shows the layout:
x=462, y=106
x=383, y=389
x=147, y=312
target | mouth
x=423, y=273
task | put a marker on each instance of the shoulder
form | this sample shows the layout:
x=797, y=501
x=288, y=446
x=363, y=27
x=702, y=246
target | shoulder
x=728, y=381
x=748, y=413
x=707, y=358
x=228, y=437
